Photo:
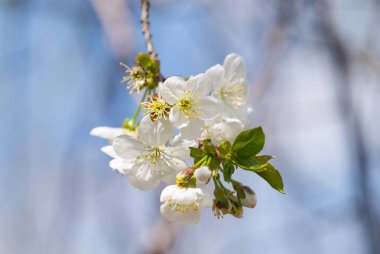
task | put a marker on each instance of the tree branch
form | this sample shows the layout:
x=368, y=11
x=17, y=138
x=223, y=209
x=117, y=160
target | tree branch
x=145, y=6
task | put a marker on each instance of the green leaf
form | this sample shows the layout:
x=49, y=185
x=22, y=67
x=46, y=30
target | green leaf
x=224, y=148
x=249, y=142
x=252, y=163
x=209, y=147
x=264, y=158
x=197, y=153
x=273, y=177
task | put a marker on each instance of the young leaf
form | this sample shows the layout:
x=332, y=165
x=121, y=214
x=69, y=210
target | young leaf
x=197, y=153
x=273, y=177
x=209, y=147
x=249, y=143
x=224, y=148
x=264, y=158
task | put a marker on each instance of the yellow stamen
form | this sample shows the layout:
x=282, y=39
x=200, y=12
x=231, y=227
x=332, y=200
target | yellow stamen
x=189, y=104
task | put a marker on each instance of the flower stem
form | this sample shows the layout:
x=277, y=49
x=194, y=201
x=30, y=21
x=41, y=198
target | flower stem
x=215, y=182
x=200, y=162
x=139, y=107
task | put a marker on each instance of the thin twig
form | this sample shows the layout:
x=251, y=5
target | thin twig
x=145, y=6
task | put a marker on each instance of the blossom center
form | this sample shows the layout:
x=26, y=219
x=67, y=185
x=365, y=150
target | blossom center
x=135, y=77
x=155, y=154
x=157, y=107
x=189, y=104
x=182, y=207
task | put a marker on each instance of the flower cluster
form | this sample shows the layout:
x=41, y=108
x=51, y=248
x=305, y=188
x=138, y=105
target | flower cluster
x=194, y=134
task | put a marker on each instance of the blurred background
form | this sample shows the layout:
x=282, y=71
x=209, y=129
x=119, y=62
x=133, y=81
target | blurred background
x=314, y=69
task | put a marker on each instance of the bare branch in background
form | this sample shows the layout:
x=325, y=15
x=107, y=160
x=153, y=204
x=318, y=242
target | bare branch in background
x=277, y=40
x=342, y=59
x=145, y=6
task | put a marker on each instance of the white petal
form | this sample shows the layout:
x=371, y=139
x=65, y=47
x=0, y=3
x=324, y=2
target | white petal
x=168, y=192
x=200, y=84
x=143, y=176
x=177, y=118
x=145, y=186
x=121, y=166
x=186, y=195
x=192, y=215
x=202, y=175
x=176, y=164
x=127, y=147
x=106, y=132
x=234, y=68
x=156, y=133
x=193, y=130
x=209, y=107
x=109, y=151
x=167, y=210
x=223, y=129
x=167, y=166
x=205, y=198
x=249, y=109
x=170, y=178
x=216, y=74
x=172, y=89
x=180, y=149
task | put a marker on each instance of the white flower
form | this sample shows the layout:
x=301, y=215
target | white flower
x=189, y=99
x=223, y=129
x=183, y=204
x=202, y=175
x=193, y=130
x=108, y=133
x=229, y=82
x=152, y=160
x=118, y=164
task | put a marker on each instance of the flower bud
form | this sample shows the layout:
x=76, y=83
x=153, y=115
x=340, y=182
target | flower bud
x=246, y=195
x=202, y=174
x=250, y=197
x=184, y=177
